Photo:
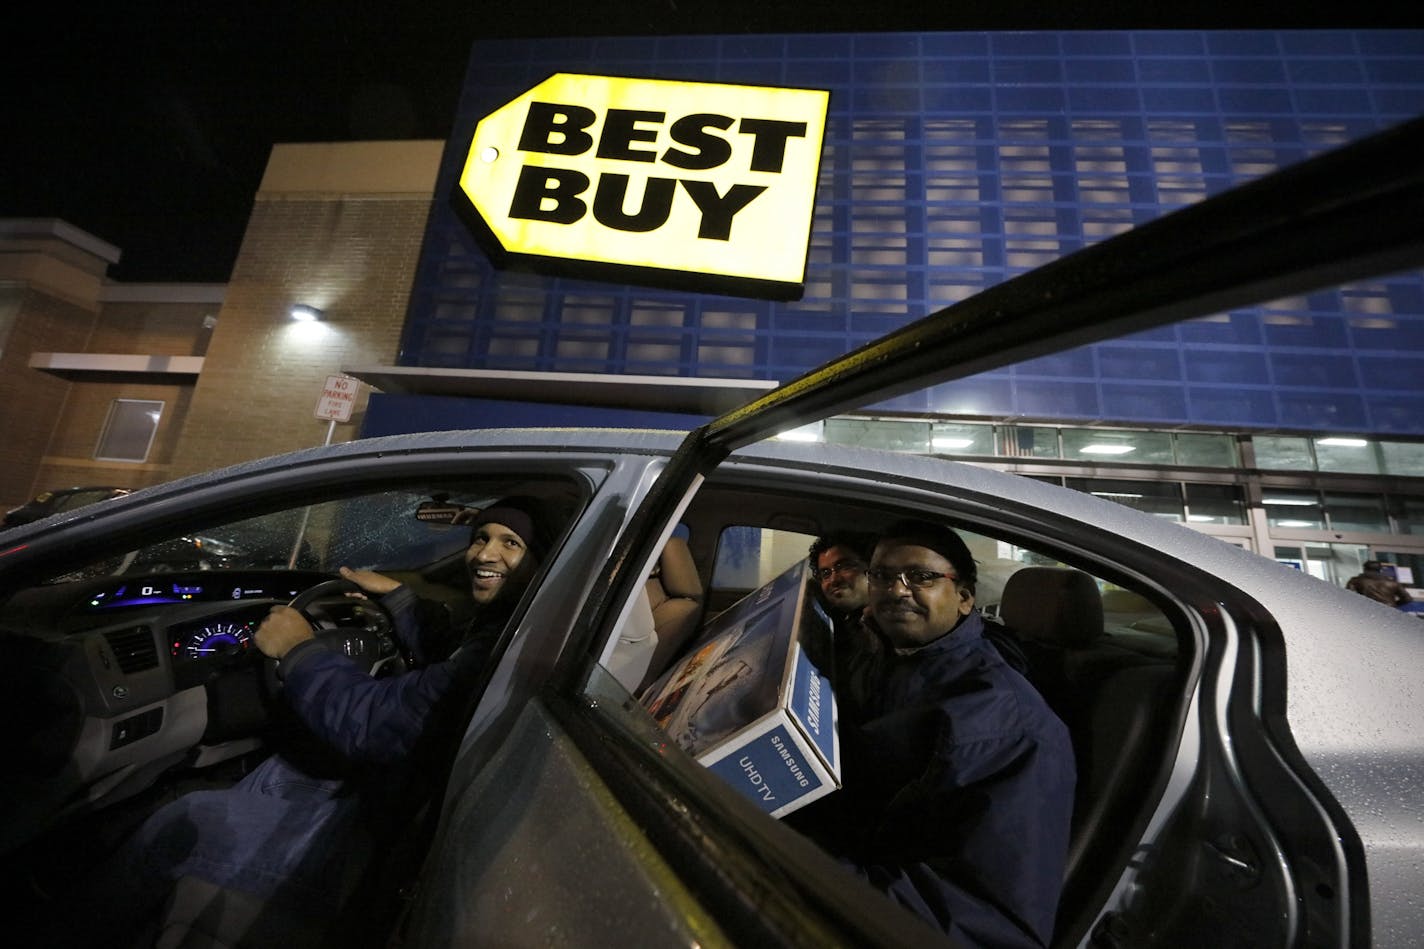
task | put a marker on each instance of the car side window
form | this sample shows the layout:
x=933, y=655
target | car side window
x=1104, y=655
x=747, y=558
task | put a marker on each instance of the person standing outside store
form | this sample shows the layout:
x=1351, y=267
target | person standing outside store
x=1373, y=583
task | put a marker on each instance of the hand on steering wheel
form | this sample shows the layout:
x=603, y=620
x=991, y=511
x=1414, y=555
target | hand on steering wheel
x=286, y=626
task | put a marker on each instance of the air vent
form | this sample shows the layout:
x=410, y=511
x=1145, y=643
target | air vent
x=133, y=648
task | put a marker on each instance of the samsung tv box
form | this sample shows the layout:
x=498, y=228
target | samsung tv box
x=752, y=699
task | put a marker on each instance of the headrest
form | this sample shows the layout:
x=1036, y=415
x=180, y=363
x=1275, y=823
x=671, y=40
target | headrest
x=676, y=571
x=1055, y=605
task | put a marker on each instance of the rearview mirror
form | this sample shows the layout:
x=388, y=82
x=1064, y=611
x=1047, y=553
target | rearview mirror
x=440, y=511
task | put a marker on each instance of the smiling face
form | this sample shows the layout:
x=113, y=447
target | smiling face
x=493, y=559
x=841, y=573
x=910, y=615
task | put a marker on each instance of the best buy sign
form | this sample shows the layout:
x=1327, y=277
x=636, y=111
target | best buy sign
x=594, y=175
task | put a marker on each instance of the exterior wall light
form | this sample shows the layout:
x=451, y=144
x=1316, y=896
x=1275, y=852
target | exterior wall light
x=305, y=314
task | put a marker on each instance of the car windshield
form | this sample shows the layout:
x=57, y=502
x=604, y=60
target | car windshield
x=378, y=531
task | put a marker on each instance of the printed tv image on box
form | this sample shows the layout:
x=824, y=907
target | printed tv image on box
x=752, y=699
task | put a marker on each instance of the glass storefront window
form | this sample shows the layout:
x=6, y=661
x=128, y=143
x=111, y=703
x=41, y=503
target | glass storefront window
x=1408, y=515
x=1408, y=567
x=962, y=439
x=1215, y=504
x=1150, y=448
x=1333, y=563
x=1216, y=451
x=1403, y=458
x=1031, y=441
x=1356, y=512
x=887, y=434
x=1282, y=452
x=1160, y=498
x=1338, y=453
x=1293, y=509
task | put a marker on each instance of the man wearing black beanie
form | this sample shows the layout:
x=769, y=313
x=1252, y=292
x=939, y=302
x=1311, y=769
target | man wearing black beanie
x=958, y=779
x=293, y=835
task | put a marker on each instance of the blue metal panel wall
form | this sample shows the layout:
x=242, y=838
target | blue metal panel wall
x=954, y=161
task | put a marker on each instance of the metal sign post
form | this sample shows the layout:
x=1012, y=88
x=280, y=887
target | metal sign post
x=338, y=398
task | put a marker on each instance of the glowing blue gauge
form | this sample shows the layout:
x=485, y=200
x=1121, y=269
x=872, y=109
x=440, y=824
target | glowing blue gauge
x=220, y=638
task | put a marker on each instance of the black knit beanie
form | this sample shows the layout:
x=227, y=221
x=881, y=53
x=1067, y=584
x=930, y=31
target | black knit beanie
x=523, y=514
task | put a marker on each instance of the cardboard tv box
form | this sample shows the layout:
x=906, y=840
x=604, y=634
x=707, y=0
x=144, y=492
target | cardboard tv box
x=752, y=699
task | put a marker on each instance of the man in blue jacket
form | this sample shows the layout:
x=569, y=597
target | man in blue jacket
x=958, y=780
x=292, y=834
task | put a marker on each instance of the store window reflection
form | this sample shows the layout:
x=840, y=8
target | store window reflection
x=1356, y=512
x=1356, y=455
x=1160, y=498
x=1211, y=451
x=1403, y=458
x=884, y=434
x=1333, y=563
x=950, y=438
x=1294, y=509
x=1215, y=504
x=1283, y=453
x=1408, y=515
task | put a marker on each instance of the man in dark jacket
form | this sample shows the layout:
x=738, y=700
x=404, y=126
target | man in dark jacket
x=291, y=833
x=958, y=779
x=838, y=562
x=1373, y=583
x=380, y=720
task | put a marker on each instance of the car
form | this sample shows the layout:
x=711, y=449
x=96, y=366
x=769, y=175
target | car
x=1246, y=736
x=51, y=502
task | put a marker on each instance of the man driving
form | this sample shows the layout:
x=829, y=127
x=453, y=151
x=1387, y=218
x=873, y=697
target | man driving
x=294, y=834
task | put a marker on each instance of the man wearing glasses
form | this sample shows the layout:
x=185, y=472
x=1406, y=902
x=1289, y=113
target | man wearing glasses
x=958, y=780
x=838, y=562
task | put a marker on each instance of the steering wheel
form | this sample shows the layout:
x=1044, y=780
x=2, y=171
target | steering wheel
x=370, y=645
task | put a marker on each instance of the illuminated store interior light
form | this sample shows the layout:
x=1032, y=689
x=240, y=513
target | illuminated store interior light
x=806, y=433
x=1295, y=524
x=303, y=313
x=1342, y=442
x=1291, y=502
x=951, y=441
x=1098, y=448
x=1114, y=494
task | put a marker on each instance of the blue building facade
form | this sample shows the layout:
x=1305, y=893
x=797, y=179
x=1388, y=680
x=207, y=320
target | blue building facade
x=953, y=162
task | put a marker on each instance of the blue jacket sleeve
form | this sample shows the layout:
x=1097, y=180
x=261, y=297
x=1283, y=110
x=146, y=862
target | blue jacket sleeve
x=366, y=719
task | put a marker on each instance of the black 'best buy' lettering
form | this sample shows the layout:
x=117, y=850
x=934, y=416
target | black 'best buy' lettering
x=553, y=194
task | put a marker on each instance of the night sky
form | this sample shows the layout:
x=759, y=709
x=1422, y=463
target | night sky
x=151, y=130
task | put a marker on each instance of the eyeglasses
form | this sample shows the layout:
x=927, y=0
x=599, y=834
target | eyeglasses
x=840, y=566
x=912, y=578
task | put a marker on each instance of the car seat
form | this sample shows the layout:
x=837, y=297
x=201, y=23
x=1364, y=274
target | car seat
x=1113, y=699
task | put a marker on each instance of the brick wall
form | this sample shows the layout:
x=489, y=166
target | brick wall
x=31, y=401
x=150, y=328
x=155, y=328
x=353, y=257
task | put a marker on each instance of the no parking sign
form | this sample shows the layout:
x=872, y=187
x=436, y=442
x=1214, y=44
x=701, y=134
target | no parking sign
x=338, y=398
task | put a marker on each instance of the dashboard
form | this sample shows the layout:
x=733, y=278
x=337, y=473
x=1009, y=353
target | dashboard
x=120, y=678
x=201, y=587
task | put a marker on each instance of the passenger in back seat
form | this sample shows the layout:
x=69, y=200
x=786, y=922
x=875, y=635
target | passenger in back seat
x=838, y=561
x=958, y=778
